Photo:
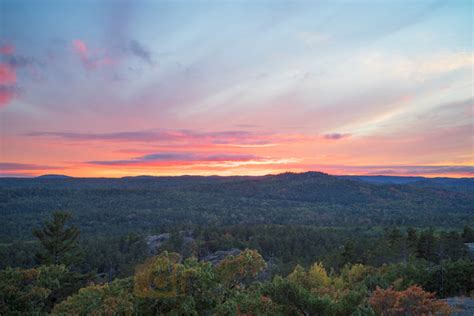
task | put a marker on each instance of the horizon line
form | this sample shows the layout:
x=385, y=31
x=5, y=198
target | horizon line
x=63, y=176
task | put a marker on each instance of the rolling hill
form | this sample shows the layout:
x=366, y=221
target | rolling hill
x=143, y=204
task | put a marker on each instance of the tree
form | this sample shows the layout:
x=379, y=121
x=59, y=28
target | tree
x=165, y=285
x=292, y=298
x=412, y=301
x=115, y=298
x=426, y=247
x=412, y=239
x=236, y=271
x=35, y=291
x=468, y=234
x=317, y=293
x=348, y=254
x=58, y=240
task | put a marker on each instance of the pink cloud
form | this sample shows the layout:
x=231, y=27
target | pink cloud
x=7, y=75
x=91, y=59
x=80, y=47
x=7, y=84
x=7, y=49
x=5, y=96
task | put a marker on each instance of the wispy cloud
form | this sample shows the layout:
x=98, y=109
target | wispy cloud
x=7, y=74
x=12, y=166
x=7, y=49
x=336, y=136
x=176, y=157
x=418, y=68
x=7, y=93
x=312, y=39
x=18, y=61
x=421, y=170
x=8, y=88
x=91, y=59
x=138, y=50
x=237, y=138
x=220, y=137
x=402, y=170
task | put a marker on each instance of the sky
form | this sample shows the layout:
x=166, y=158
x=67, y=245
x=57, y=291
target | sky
x=126, y=88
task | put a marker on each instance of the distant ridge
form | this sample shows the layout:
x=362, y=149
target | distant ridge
x=458, y=184
x=54, y=176
x=383, y=179
x=282, y=180
x=310, y=198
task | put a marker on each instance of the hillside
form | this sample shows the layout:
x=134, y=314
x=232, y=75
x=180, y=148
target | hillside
x=455, y=184
x=113, y=206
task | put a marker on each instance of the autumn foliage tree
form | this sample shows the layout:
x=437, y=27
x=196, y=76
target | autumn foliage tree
x=164, y=284
x=412, y=301
x=114, y=298
x=235, y=271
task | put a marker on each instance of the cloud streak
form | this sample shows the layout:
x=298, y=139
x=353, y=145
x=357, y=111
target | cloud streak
x=237, y=138
x=138, y=50
x=7, y=49
x=7, y=93
x=421, y=170
x=177, y=136
x=336, y=136
x=176, y=158
x=12, y=166
x=401, y=170
x=7, y=75
x=8, y=88
x=91, y=59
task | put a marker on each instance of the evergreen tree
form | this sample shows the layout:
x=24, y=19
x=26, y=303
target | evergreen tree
x=468, y=234
x=412, y=238
x=427, y=246
x=348, y=254
x=58, y=240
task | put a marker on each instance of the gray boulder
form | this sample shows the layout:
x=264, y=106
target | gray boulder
x=216, y=257
x=463, y=306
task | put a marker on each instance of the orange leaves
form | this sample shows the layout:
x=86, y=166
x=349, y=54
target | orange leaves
x=157, y=277
x=234, y=270
x=106, y=299
x=412, y=301
x=385, y=301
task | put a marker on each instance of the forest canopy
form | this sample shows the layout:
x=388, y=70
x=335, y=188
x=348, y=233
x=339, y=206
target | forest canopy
x=308, y=244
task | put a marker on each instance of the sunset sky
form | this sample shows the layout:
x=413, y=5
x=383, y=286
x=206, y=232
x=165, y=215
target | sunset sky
x=116, y=88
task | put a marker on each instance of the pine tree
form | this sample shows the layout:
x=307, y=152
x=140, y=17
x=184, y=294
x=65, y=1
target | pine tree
x=468, y=234
x=426, y=247
x=58, y=240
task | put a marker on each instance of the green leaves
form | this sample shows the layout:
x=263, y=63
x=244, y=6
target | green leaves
x=167, y=285
x=32, y=290
x=106, y=299
x=58, y=240
x=170, y=286
x=235, y=271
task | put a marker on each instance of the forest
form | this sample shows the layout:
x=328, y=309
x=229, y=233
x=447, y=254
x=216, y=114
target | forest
x=289, y=244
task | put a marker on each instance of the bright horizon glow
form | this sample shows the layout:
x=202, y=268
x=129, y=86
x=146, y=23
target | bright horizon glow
x=126, y=88
x=120, y=175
